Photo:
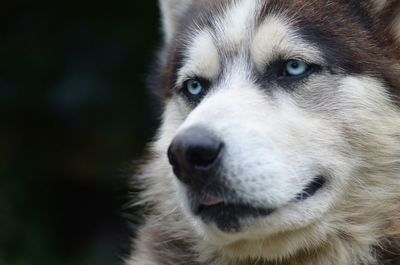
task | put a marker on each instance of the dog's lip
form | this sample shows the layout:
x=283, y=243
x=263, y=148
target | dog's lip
x=211, y=202
x=237, y=207
x=205, y=203
x=311, y=188
x=227, y=215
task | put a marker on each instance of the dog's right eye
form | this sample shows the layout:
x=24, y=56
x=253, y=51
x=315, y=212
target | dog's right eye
x=195, y=89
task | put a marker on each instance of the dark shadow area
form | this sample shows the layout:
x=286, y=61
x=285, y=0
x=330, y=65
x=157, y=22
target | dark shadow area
x=74, y=113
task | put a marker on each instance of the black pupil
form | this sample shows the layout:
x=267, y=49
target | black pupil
x=295, y=65
x=195, y=85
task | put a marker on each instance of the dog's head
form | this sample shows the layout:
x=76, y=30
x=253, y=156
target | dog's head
x=279, y=116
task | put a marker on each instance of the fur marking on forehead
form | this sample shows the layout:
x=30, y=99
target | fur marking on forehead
x=201, y=57
x=233, y=27
x=275, y=38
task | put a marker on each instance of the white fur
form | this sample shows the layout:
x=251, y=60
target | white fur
x=201, y=58
x=234, y=25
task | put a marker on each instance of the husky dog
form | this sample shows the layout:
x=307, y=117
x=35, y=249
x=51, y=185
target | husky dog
x=280, y=137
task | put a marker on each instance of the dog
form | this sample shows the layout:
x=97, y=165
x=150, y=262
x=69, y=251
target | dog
x=280, y=135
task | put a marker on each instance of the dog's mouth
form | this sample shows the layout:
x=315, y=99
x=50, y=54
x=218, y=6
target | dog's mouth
x=311, y=188
x=227, y=215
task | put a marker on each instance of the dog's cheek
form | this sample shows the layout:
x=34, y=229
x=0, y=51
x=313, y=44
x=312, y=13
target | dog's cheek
x=364, y=100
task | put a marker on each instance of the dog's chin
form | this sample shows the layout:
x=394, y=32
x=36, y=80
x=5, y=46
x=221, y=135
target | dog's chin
x=255, y=237
x=254, y=242
x=277, y=246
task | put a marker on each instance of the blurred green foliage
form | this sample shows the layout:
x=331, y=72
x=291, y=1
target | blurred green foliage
x=74, y=112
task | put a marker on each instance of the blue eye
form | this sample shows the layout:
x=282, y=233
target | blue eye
x=195, y=88
x=296, y=68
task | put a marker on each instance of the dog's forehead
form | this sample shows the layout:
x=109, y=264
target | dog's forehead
x=219, y=30
x=233, y=18
x=234, y=24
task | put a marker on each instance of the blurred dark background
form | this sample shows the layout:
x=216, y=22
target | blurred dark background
x=74, y=113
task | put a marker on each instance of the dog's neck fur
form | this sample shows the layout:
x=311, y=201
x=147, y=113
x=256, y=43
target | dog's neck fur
x=341, y=252
x=380, y=257
x=331, y=254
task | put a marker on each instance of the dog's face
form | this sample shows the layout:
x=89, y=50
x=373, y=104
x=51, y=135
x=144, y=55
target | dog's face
x=273, y=112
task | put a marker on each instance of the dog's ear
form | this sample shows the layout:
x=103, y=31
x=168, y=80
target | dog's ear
x=387, y=13
x=171, y=12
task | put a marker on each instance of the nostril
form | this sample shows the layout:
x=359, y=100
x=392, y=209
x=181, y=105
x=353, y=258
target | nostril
x=171, y=156
x=203, y=155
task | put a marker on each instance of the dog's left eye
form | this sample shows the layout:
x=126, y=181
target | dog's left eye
x=296, y=68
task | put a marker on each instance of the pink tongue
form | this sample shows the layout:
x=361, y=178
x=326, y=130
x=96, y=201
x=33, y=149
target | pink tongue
x=212, y=202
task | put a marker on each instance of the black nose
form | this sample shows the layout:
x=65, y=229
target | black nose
x=193, y=154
